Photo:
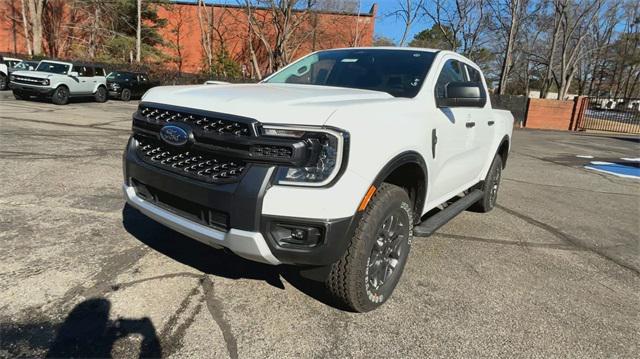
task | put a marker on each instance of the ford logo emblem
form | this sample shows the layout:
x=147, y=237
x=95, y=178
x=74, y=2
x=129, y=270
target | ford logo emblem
x=174, y=135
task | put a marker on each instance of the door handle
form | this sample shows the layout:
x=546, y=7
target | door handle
x=470, y=124
x=491, y=123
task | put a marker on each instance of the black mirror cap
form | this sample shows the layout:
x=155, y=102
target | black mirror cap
x=463, y=94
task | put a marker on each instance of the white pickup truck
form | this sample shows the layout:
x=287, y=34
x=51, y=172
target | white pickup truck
x=331, y=164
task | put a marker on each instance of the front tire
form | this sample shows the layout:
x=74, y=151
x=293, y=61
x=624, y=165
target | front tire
x=366, y=275
x=60, y=96
x=101, y=95
x=18, y=96
x=125, y=95
x=490, y=187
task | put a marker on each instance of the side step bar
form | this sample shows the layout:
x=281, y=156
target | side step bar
x=427, y=227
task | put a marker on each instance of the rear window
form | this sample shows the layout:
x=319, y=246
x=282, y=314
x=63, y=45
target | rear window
x=120, y=76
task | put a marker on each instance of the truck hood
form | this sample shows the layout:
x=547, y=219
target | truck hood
x=34, y=74
x=267, y=103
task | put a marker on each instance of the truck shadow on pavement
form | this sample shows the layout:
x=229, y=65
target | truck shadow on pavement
x=87, y=332
x=217, y=262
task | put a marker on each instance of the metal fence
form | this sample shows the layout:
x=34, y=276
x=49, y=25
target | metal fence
x=612, y=115
x=516, y=104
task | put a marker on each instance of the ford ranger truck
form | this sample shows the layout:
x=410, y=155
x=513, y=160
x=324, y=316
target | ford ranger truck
x=331, y=164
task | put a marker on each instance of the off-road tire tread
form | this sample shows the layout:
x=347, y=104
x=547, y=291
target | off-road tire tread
x=343, y=271
x=483, y=206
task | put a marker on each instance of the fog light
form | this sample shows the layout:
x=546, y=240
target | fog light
x=300, y=235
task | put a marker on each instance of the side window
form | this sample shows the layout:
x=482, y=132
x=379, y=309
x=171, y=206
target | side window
x=99, y=71
x=474, y=75
x=451, y=72
x=84, y=71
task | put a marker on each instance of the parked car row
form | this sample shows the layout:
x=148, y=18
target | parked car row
x=60, y=81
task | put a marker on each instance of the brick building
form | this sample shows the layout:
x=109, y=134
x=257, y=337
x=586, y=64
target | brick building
x=224, y=29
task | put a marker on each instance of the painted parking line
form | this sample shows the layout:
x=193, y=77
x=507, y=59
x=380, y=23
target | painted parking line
x=620, y=169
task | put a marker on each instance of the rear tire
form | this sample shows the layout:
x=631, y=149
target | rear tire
x=60, y=96
x=4, y=84
x=368, y=272
x=101, y=95
x=490, y=187
x=125, y=95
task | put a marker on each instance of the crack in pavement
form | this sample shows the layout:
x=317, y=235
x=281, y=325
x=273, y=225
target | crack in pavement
x=172, y=342
x=86, y=127
x=563, y=247
x=570, y=239
x=214, y=305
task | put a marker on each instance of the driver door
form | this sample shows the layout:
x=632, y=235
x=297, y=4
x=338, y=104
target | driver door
x=452, y=140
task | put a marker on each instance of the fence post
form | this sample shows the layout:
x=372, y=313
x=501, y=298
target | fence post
x=526, y=112
x=576, y=113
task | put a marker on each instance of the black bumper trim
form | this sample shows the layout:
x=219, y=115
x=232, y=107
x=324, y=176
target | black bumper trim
x=30, y=90
x=336, y=237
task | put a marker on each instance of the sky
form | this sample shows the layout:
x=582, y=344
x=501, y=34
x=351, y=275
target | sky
x=390, y=26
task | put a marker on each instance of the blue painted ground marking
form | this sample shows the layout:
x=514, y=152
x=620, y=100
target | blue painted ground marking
x=622, y=169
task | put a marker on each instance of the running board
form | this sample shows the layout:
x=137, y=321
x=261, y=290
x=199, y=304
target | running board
x=431, y=224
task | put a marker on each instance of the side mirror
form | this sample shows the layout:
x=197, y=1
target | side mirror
x=74, y=74
x=463, y=94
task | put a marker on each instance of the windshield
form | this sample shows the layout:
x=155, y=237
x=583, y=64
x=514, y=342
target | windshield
x=397, y=72
x=53, y=67
x=121, y=76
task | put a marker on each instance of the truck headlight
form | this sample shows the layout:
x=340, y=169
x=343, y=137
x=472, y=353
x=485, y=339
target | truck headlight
x=326, y=162
x=44, y=82
x=12, y=78
x=115, y=86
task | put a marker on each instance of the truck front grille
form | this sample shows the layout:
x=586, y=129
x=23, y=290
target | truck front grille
x=208, y=124
x=198, y=165
x=27, y=80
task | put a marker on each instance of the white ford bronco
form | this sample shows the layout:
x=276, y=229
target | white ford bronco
x=331, y=164
x=60, y=81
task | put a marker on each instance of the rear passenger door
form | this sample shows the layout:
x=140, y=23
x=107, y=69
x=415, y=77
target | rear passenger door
x=86, y=81
x=452, y=158
x=484, y=123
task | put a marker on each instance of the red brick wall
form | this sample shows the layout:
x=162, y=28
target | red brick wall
x=549, y=114
x=332, y=30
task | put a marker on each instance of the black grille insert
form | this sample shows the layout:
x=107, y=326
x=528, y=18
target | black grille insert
x=208, y=124
x=183, y=207
x=199, y=165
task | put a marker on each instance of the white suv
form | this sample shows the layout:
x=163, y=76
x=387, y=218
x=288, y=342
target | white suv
x=5, y=64
x=60, y=81
x=331, y=164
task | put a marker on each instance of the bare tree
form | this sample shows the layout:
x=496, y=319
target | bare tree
x=409, y=11
x=509, y=26
x=460, y=22
x=205, y=20
x=139, y=31
x=278, y=25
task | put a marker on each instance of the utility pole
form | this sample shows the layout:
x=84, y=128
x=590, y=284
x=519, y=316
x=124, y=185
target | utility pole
x=139, y=32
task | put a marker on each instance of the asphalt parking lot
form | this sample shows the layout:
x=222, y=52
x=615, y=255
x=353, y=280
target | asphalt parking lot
x=554, y=270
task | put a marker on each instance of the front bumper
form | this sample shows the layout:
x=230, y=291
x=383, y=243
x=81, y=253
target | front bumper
x=248, y=231
x=250, y=245
x=31, y=90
